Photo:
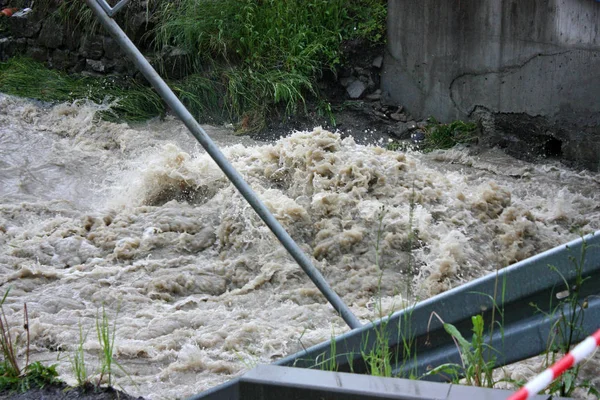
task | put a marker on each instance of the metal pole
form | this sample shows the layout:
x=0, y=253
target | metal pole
x=178, y=108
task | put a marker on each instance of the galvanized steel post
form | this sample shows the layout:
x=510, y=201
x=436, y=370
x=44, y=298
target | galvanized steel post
x=104, y=13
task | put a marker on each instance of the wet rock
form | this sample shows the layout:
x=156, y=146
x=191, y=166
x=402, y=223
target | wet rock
x=418, y=136
x=379, y=114
x=51, y=35
x=378, y=62
x=10, y=47
x=37, y=53
x=398, y=116
x=346, y=81
x=356, y=89
x=376, y=95
x=111, y=48
x=92, y=47
x=401, y=130
x=119, y=65
x=63, y=59
x=27, y=27
x=72, y=39
x=95, y=65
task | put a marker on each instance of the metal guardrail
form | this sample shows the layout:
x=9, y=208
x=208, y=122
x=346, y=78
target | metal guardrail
x=269, y=382
x=104, y=12
x=526, y=292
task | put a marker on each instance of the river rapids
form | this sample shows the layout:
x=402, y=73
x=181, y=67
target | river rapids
x=137, y=220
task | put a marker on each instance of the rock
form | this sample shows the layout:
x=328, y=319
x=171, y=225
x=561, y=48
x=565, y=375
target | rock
x=345, y=82
x=119, y=65
x=379, y=114
x=10, y=47
x=24, y=26
x=378, y=62
x=356, y=89
x=92, y=47
x=397, y=116
x=63, y=59
x=359, y=71
x=111, y=48
x=37, y=53
x=418, y=136
x=401, y=130
x=95, y=65
x=72, y=39
x=51, y=35
x=376, y=95
x=411, y=125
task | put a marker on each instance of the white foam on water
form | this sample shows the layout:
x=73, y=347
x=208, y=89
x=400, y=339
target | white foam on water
x=141, y=221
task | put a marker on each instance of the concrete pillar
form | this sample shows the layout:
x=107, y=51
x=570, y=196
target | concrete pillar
x=541, y=58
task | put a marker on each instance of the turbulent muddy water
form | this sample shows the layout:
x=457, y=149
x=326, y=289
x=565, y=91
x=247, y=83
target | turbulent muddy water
x=139, y=220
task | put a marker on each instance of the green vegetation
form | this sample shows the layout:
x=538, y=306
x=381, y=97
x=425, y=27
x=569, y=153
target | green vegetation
x=476, y=369
x=128, y=99
x=245, y=60
x=568, y=329
x=78, y=364
x=13, y=377
x=445, y=136
x=264, y=57
x=106, y=338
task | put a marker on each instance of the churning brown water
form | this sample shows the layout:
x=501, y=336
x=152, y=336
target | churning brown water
x=140, y=220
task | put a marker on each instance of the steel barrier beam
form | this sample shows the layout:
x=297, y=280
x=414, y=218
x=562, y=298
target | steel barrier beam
x=104, y=13
x=526, y=295
x=270, y=382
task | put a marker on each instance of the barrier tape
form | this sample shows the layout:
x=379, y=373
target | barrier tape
x=580, y=352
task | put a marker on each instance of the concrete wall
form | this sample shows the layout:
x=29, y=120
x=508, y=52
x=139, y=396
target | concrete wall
x=540, y=58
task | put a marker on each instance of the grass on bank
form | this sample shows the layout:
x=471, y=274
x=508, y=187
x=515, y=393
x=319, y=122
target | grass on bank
x=130, y=100
x=245, y=60
x=267, y=55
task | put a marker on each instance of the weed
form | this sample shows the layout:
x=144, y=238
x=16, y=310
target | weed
x=445, y=136
x=10, y=365
x=12, y=376
x=78, y=360
x=568, y=329
x=476, y=370
x=106, y=338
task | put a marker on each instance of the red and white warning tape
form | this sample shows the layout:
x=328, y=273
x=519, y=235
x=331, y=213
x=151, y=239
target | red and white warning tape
x=581, y=351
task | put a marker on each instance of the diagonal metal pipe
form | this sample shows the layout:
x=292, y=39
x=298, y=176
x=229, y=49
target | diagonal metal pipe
x=104, y=16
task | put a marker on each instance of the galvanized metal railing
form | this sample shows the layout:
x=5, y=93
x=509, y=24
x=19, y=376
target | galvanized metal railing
x=104, y=12
x=525, y=299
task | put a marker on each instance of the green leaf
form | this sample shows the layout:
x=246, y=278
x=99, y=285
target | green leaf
x=451, y=329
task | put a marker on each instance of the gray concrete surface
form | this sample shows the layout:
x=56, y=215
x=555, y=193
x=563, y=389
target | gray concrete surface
x=541, y=58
